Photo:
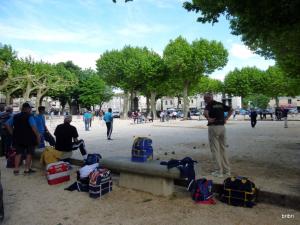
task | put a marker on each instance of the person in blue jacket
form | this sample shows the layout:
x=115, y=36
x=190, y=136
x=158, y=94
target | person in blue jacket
x=108, y=118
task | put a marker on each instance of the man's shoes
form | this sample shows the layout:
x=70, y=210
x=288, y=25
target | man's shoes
x=108, y=138
x=227, y=173
x=16, y=172
x=217, y=174
x=29, y=171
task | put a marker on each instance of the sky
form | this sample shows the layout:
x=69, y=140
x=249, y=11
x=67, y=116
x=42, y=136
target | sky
x=81, y=30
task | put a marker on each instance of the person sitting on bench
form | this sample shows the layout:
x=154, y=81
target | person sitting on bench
x=67, y=139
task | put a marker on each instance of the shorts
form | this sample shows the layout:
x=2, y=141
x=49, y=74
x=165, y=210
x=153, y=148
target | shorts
x=25, y=149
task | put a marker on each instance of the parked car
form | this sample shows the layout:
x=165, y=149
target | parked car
x=116, y=114
x=293, y=111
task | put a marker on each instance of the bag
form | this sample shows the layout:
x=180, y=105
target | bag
x=239, y=191
x=142, y=149
x=58, y=172
x=92, y=159
x=202, y=191
x=10, y=158
x=100, y=182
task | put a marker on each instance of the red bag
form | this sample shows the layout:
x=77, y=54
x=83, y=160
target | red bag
x=58, y=172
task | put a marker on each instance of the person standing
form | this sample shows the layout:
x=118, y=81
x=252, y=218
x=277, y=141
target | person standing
x=67, y=139
x=25, y=135
x=108, y=118
x=42, y=128
x=253, y=117
x=6, y=138
x=86, y=119
x=214, y=113
x=285, y=112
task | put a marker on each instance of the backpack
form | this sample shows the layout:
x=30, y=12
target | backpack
x=100, y=182
x=201, y=190
x=92, y=159
x=239, y=191
x=142, y=149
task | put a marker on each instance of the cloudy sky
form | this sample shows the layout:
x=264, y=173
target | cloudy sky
x=81, y=30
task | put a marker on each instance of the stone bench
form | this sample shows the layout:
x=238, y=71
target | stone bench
x=149, y=176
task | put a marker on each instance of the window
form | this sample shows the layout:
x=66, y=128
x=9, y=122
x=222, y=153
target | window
x=179, y=102
x=192, y=101
x=171, y=102
x=289, y=101
x=166, y=102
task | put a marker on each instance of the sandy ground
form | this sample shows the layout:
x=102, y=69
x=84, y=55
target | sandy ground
x=267, y=154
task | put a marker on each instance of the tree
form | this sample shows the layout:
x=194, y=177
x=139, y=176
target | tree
x=7, y=58
x=245, y=82
x=189, y=62
x=94, y=91
x=207, y=84
x=270, y=28
x=257, y=101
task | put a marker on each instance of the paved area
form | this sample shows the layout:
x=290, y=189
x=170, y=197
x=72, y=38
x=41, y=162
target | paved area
x=269, y=154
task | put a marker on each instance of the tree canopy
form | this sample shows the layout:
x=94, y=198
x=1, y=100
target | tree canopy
x=270, y=28
x=187, y=63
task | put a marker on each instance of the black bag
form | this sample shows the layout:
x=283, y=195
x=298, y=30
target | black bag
x=239, y=191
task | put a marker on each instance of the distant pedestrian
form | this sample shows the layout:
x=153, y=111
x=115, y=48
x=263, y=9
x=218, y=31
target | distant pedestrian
x=253, y=117
x=87, y=116
x=214, y=113
x=285, y=112
x=108, y=118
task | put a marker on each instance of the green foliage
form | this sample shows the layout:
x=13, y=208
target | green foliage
x=93, y=91
x=270, y=28
x=245, y=82
x=257, y=101
x=207, y=84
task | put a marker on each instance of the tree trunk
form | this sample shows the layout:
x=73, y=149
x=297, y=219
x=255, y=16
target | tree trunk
x=153, y=104
x=178, y=100
x=7, y=98
x=147, y=104
x=186, y=99
x=26, y=93
x=161, y=104
x=125, y=105
x=277, y=101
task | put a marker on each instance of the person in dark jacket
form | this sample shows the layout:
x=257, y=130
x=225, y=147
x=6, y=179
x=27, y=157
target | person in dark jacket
x=253, y=117
x=67, y=139
x=25, y=136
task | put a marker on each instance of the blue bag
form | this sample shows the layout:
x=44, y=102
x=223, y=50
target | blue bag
x=92, y=159
x=201, y=190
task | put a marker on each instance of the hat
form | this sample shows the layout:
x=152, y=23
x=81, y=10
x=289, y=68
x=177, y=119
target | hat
x=27, y=105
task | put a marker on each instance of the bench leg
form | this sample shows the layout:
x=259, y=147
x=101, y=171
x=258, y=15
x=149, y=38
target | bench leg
x=155, y=185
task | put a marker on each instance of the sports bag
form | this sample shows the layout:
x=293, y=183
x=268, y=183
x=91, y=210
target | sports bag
x=201, y=190
x=93, y=158
x=142, y=149
x=100, y=182
x=58, y=172
x=239, y=191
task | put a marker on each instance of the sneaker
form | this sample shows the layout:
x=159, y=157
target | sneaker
x=227, y=173
x=217, y=174
x=29, y=171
